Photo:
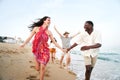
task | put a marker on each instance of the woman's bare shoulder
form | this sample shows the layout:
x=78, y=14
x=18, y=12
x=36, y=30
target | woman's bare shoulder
x=35, y=29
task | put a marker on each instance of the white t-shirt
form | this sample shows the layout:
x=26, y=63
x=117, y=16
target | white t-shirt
x=85, y=40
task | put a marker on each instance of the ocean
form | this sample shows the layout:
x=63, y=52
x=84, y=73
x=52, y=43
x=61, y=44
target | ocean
x=107, y=66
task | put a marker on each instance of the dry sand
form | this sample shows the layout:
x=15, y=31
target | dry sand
x=18, y=64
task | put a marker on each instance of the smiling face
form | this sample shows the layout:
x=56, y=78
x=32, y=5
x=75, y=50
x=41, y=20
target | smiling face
x=47, y=22
x=66, y=35
x=88, y=27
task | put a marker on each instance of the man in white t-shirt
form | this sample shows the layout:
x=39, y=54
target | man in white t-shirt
x=90, y=41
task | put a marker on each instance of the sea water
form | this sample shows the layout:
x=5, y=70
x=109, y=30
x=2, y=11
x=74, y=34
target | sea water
x=107, y=66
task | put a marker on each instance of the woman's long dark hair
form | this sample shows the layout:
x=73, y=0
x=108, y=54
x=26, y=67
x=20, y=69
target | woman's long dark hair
x=38, y=23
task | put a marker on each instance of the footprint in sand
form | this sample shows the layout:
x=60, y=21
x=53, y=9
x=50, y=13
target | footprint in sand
x=71, y=72
x=30, y=61
x=47, y=72
x=47, y=75
x=32, y=77
x=1, y=78
x=33, y=67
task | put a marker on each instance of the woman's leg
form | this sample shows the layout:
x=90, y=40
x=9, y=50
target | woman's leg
x=37, y=64
x=52, y=58
x=53, y=54
x=42, y=71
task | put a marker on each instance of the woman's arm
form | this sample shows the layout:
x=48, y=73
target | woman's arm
x=54, y=42
x=29, y=37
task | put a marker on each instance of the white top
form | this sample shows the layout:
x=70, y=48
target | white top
x=85, y=40
x=52, y=45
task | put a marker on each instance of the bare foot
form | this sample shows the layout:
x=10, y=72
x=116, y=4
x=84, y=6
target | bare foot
x=61, y=66
x=36, y=68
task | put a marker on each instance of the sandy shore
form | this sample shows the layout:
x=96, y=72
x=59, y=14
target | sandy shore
x=18, y=64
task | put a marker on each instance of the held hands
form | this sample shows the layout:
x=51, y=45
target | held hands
x=66, y=50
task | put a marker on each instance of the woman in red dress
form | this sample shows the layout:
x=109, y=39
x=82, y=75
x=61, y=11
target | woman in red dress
x=40, y=47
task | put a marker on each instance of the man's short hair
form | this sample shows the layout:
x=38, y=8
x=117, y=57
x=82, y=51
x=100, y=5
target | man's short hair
x=90, y=22
x=66, y=33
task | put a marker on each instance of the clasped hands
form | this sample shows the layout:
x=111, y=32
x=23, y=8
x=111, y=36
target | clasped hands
x=83, y=48
x=66, y=50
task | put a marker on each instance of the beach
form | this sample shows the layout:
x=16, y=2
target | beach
x=18, y=64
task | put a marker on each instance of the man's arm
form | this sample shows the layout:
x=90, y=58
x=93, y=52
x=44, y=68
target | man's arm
x=75, y=35
x=58, y=32
x=97, y=45
x=74, y=45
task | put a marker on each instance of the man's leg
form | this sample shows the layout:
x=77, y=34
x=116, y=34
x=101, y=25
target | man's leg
x=88, y=72
x=68, y=60
x=90, y=63
x=61, y=60
x=88, y=67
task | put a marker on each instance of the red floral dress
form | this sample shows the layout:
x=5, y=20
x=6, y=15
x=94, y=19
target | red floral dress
x=40, y=46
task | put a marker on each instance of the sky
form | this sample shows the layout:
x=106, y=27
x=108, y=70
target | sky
x=67, y=15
